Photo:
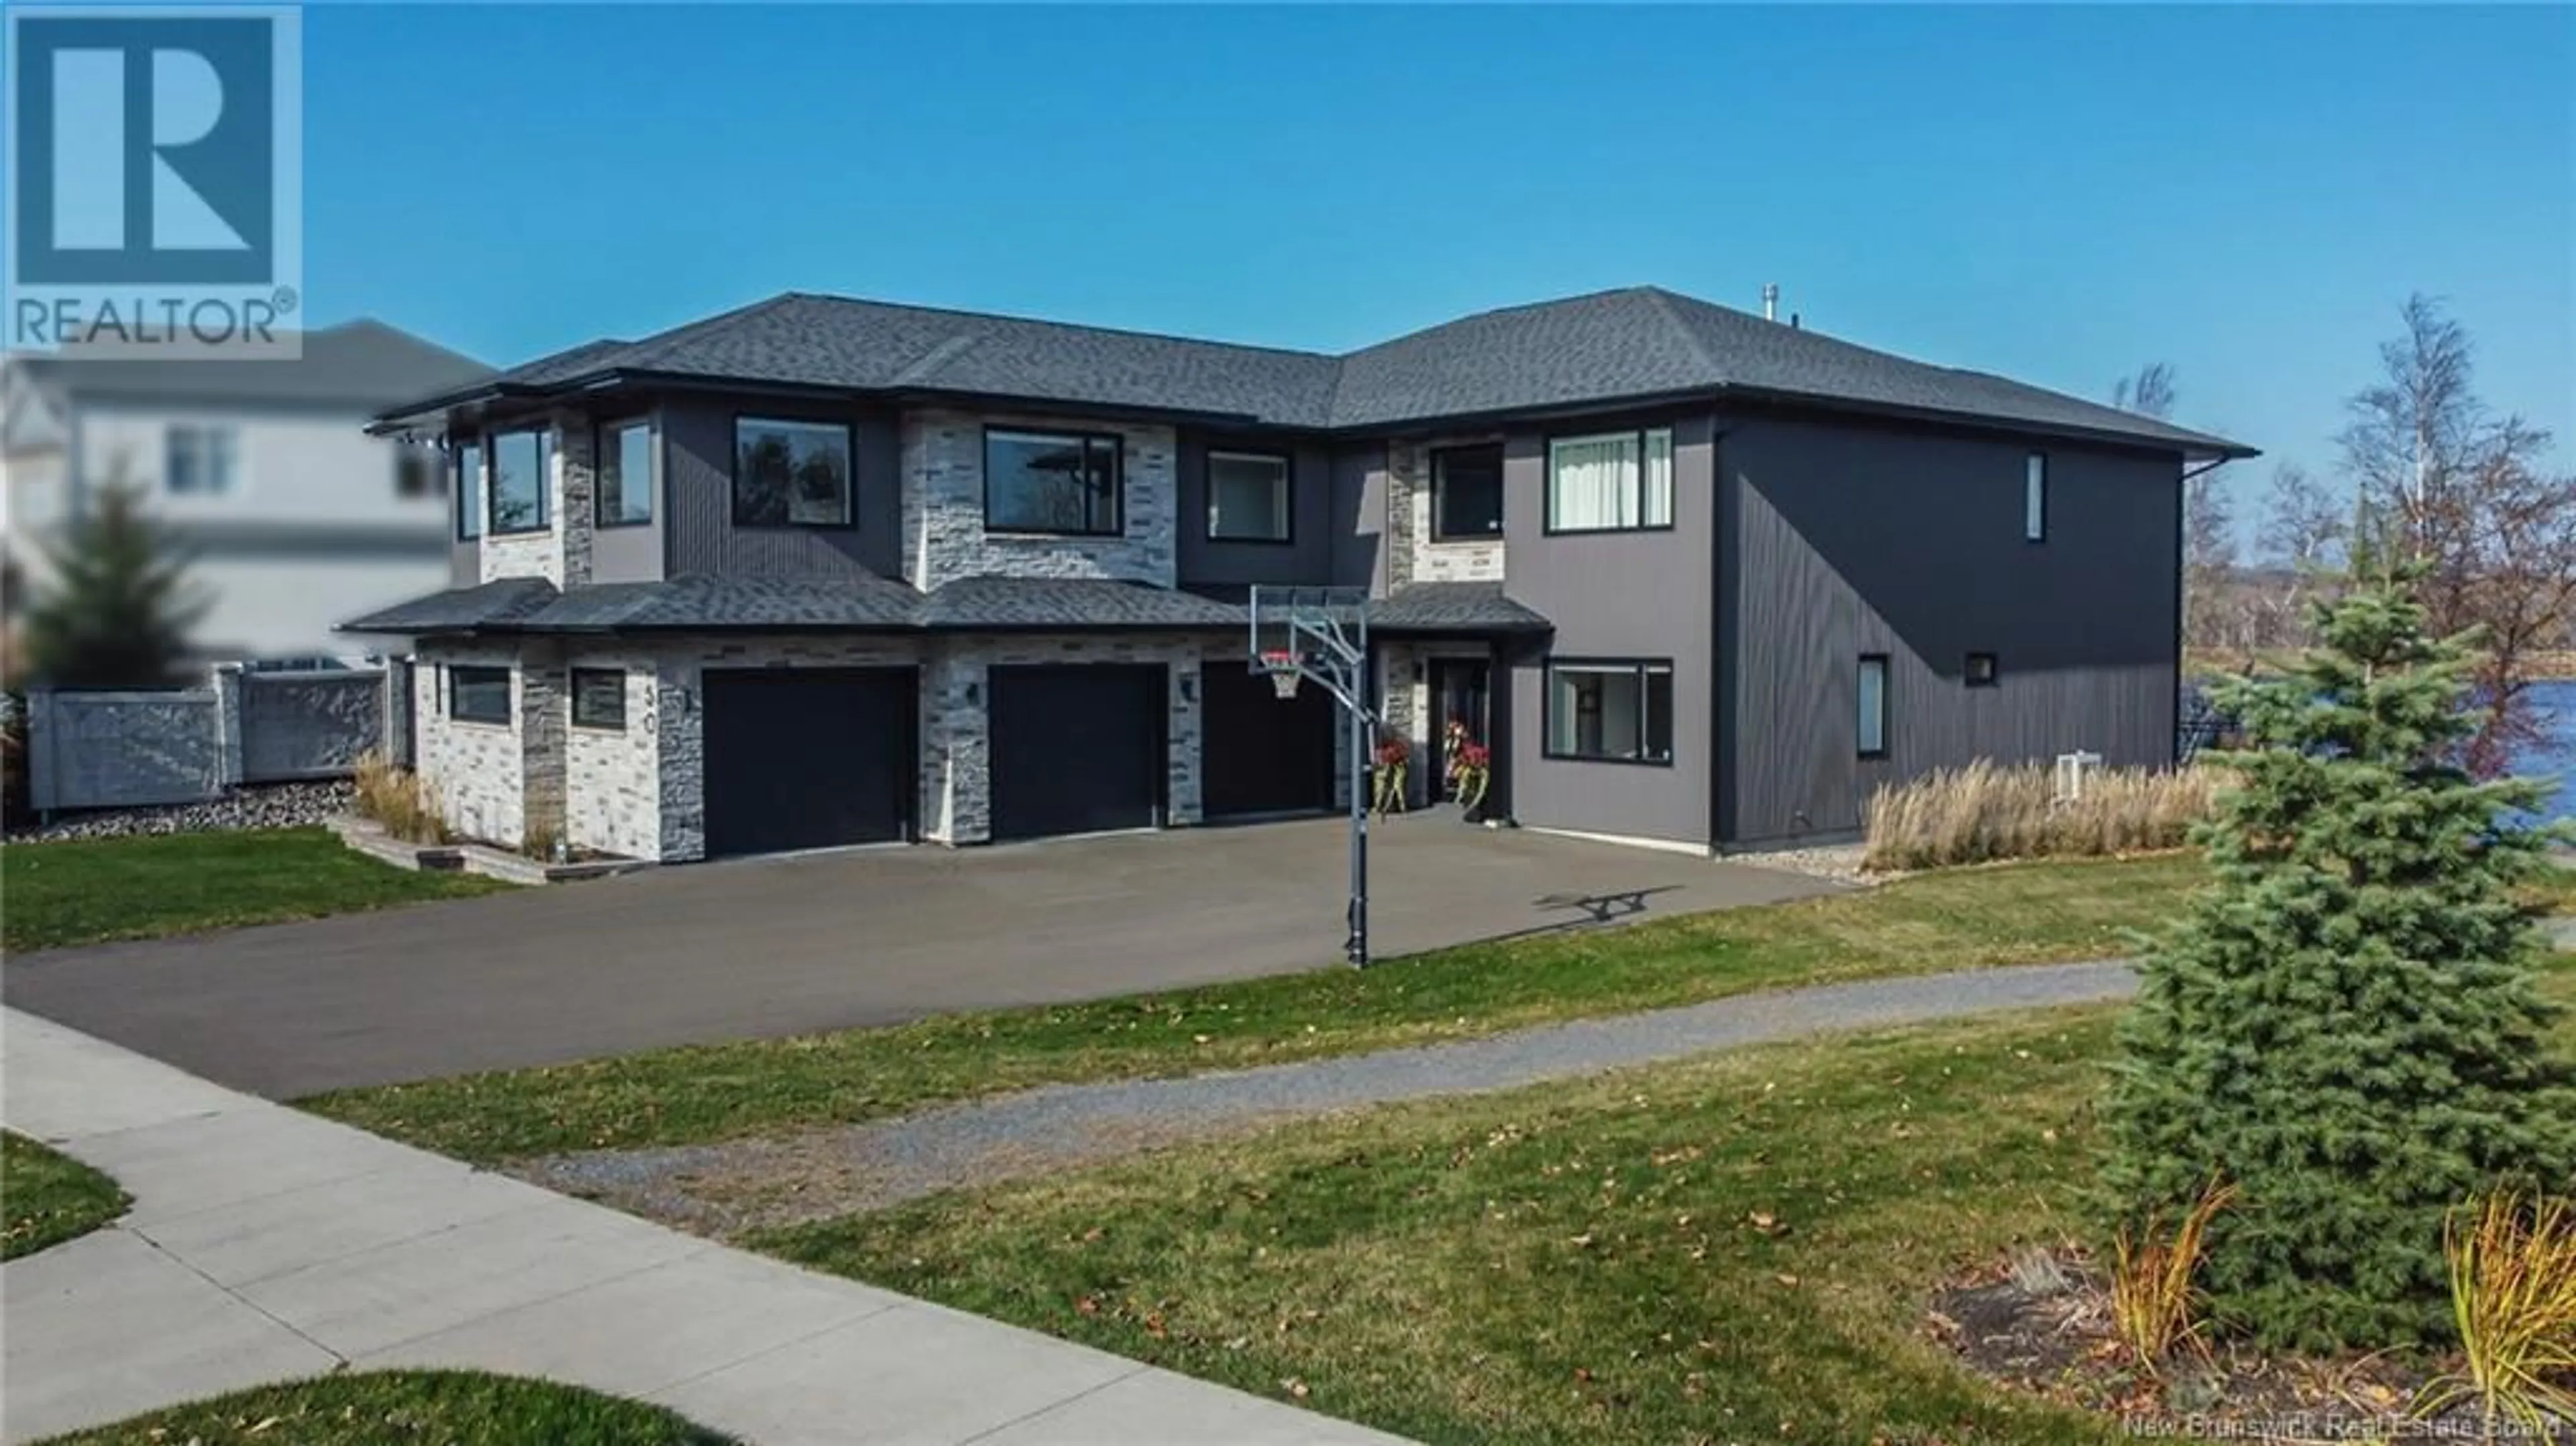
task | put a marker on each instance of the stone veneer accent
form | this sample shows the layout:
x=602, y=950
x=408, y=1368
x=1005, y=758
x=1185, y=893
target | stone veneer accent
x=1412, y=555
x=474, y=770
x=612, y=777
x=943, y=506
x=561, y=553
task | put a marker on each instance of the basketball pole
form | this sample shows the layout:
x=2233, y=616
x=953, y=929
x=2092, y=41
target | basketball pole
x=1356, y=947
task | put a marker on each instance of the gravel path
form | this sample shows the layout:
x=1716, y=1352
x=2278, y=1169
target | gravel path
x=738, y=1185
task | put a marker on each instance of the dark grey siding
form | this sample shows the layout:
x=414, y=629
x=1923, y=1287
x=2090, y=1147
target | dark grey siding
x=1307, y=557
x=1359, y=517
x=464, y=555
x=633, y=551
x=1616, y=595
x=697, y=488
x=1849, y=539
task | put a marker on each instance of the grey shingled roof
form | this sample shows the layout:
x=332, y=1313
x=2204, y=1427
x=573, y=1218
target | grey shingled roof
x=1603, y=348
x=461, y=609
x=1478, y=607
x=1039, y=602
x=363, y=365
x=871, y=603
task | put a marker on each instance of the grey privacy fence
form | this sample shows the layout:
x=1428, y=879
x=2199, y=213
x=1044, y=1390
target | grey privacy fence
x=130, y=749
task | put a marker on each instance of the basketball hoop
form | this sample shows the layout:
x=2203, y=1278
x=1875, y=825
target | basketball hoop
x=1281, y=665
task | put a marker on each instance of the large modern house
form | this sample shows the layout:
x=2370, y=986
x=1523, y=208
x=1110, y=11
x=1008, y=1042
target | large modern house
x=824, y=571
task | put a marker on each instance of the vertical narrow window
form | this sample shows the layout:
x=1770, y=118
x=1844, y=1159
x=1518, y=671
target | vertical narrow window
x=1873, y=705
x=519, y=465
x=2034, y=497
x=469, y=491
x=626, y=474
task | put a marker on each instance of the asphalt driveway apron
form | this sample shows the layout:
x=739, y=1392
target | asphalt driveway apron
x=776, y=946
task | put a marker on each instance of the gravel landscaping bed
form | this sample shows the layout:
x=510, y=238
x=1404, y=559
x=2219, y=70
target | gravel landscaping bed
x=267, y=805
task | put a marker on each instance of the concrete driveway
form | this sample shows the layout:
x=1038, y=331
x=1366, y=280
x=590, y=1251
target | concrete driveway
x=789, y=945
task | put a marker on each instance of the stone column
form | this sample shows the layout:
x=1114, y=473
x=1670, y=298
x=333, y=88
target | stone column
x=576, y=485
x=544, y=703
x=956, y=745
x=1185, y=737
x=1405, y=463
x=683, y=764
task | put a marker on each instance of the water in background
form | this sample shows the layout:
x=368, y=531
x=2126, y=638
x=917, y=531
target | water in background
x=2557, y=756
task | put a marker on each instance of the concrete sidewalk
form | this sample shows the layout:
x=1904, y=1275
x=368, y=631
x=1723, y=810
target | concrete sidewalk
x=266, y=1244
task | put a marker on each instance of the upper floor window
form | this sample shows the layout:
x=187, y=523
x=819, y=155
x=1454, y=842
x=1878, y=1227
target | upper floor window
x=418, y=472
x=790, y=474
x=1613, y=482
x=519, y=488
x=201, y=461
x=626, y=474
x=1620, y=712
x=1247, y=497
x=469, y=491
x=1466, y=493
x=2034, y=497
x=1065, y=482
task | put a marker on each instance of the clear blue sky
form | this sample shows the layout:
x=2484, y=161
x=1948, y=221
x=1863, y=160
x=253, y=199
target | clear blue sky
x=2057, y=194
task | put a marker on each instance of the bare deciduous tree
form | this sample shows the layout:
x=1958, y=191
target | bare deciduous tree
x=2303, y=531
x=2467, y=496
x=2149, y=394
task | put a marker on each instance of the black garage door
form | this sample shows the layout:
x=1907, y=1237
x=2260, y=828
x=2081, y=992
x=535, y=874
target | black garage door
x=800, y=758
x=1076, y=749
x=1259, y=754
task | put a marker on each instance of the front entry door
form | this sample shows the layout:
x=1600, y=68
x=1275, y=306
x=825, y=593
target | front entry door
x=1461, y=693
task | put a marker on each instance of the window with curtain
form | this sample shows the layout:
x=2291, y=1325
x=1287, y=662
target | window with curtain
x=1612, y=482
x=2034, y=497
x=1466, y=493
x=469, y=491
x=1618, y=711
x=519, y=481
x=1873, y=705
x=1247, y=497
x=626, y=474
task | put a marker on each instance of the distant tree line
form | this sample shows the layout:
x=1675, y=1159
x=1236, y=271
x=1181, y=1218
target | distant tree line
x=2432, y=481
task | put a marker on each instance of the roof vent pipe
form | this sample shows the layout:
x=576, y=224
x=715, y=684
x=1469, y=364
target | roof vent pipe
x=1793, y=321
x=1770, y=301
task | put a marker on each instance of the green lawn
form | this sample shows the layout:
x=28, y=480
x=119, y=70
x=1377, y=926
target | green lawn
x=1952, y=920
x=47, y=1197
x=405, y=1408
x=1738, y=1249
x=90, y=890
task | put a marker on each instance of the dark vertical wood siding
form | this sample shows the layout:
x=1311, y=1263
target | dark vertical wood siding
x=1308, y=555
x=1359, y=516
x=1851, y=539
x=697, y=486
x=1616, y=595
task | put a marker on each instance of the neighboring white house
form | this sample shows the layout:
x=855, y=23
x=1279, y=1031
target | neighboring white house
x=297, y=519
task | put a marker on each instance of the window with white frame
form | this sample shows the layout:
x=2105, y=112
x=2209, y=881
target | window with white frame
x=1611, y=482
x=2034, y=497
x=200, y=461
x=1873, y=705
x=1247, y=497
x=1611, y=710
